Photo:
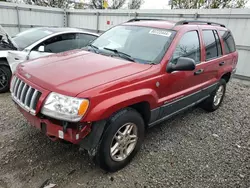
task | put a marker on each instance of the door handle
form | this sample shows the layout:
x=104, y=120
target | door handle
x=198, y=72
x=221, y=63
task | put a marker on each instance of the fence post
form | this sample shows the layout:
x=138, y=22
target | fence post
x=65, y=18
x=97, y=21
x=18, y=19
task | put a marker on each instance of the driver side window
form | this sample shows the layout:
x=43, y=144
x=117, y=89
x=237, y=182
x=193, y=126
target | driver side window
x=188, y=46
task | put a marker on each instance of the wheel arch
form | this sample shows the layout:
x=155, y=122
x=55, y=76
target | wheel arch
x=140, y=100
x=4, y=62
x=226, y=76
x=143, y=108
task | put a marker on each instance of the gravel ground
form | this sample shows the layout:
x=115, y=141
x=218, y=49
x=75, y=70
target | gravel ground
x=194, y=149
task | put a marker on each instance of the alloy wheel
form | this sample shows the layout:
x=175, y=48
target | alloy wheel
x=218, y=96
x=124, y=142
x=3, y=79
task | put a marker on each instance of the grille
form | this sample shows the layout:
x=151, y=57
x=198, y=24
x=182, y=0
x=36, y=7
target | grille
x=24, y=95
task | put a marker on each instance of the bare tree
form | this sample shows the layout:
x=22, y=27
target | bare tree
x=227, y=4
x=135, y=4
x=50, y=3
x=114, y=4
x=196, y=4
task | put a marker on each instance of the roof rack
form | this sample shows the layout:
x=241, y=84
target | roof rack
x=144, y=19
x=197, y=21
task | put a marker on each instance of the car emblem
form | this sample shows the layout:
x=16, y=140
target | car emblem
x=27, y=75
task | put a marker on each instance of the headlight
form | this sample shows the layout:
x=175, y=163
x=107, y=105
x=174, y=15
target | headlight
x=64, y=107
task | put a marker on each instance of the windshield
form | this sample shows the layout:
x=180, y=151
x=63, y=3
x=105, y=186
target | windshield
x=143, y=44
x=28, y=37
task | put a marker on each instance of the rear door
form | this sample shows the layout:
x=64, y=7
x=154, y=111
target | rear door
x=212, y=59
x=84, y=39
x=229, y=49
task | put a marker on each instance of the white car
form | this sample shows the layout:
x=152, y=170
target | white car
x=34, y=43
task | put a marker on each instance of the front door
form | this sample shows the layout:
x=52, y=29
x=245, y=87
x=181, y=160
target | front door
x=181, y=88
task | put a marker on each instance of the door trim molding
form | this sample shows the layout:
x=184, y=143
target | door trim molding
x=156, y=112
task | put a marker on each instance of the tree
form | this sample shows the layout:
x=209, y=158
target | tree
x=197, y=4
x=49, y=3
x=227, y=4
x=135, y=4
x=114, y=4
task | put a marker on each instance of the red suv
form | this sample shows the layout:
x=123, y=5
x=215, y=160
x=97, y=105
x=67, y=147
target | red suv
x=132, y=77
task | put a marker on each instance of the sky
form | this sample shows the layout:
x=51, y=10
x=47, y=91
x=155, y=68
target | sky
x=155, y=4
x=163, y=4
x=148, y=4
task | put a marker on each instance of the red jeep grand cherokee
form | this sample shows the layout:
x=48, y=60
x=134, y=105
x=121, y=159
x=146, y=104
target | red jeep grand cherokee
x=132, y=77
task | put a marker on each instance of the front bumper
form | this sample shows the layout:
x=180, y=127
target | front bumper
x=54, y=130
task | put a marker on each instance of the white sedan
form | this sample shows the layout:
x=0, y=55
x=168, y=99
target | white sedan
x=34, y=43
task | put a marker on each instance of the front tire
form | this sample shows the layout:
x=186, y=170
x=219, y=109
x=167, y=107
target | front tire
x=122, y=139
x=5, y=77
x=214, y=101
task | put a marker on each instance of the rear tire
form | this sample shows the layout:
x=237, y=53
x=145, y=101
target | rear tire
x=214, y=101
x=121, y=140
x=5, y=77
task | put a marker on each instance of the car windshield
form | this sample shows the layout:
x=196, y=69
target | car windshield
x=143, y=44
x=28, y=37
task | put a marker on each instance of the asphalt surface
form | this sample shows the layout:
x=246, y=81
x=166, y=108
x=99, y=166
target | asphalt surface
x=194, y=149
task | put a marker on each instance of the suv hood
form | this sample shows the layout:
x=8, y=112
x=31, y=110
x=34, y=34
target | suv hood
x=73, y=72
x=5, y=41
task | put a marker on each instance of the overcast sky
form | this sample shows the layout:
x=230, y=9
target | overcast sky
x=163, y=4
x=155, y=4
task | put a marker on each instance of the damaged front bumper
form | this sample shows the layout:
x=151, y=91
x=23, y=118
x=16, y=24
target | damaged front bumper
x=57, y=129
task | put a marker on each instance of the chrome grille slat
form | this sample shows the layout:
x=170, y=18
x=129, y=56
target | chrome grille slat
x=16, y=86
x=26, y=100
x=23, y=92
x=20, y=87
x=32, y=102
x=13, y=82
x=24, y=95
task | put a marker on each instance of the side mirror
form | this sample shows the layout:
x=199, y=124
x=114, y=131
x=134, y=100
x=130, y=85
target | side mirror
x=183, y=64
x=41, y=49
x=1, y=37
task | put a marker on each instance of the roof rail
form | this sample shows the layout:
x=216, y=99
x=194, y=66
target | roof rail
x=197, y=21
x=144, y=19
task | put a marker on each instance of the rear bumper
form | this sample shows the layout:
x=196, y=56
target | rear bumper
x=51, y=129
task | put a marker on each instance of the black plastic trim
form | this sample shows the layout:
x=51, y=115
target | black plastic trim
x=154, y=114
x=91, y=141
x=170, y=109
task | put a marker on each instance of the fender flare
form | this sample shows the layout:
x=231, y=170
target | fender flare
x=107, y=107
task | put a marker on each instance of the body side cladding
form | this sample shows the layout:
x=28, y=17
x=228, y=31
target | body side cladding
x=170, y=109
x=154, y=115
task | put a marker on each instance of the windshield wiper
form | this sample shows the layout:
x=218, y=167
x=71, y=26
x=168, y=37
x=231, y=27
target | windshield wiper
x=121, y=54
x=152, y=63
x=96, y=49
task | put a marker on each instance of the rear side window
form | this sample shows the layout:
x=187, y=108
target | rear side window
x=212, y=44
x=188, y=46
x=84, y=39
x=228, y=41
